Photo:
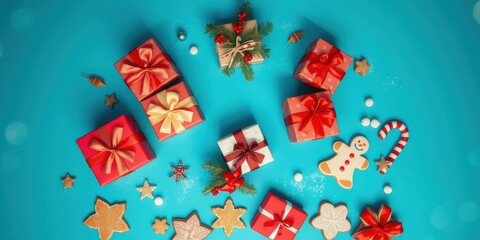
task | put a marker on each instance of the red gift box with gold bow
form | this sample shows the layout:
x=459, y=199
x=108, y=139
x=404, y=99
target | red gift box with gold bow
x=278, y=219
x=172, y=111
x=309, y=117
x=323, y=66
x=115, y=149
x=377, y=226
x=147, y=69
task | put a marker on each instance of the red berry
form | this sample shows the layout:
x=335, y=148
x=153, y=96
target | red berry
x=240, y=15
x=247, y=57
x=243, y=21
x=228, y=39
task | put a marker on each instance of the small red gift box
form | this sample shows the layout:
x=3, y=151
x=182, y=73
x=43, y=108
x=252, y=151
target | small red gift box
x=147, y=69
x=309, y=117
x=377, y=226
x=278, y=219
x=115, y=149
x=172, y=111
x=323, y=66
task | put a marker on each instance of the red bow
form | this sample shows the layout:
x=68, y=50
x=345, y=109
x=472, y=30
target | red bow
x=277, y=220
x=244, y=151
x=319, y=113
x=322, y=64
x=146, y=67
x=378, y=227
x=232, y=182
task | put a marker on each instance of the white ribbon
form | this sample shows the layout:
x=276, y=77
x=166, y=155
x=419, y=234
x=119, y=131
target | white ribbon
x=285, y=214
x=246, y=46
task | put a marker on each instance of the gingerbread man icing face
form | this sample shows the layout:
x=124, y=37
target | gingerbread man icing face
x=346, y=160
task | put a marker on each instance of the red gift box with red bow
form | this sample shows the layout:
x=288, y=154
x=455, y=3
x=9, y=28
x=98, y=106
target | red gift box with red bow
x=309, y=117
x=115, y=149
x=323, y=66
x=278, y=219
x=147, y=69
x=377, y=226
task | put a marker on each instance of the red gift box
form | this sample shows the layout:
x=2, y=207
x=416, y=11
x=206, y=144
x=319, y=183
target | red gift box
x=147, y=69
x=323, y=66
x=377, y=226
x=309, y=117
x=172, y=111
x=115, y=149
x=278, y=219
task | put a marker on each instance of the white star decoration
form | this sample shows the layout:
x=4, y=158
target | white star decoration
x=331, y=220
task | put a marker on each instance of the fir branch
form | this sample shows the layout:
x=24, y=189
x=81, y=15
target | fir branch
x=247, y=8
x=213, y=184
x=248, y=188
x=213, y=30
x=247, y=71
x=265, y=29
x=214, y=168
x=228, y=71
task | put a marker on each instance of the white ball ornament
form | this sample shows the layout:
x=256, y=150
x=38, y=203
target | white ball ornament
x=387, y=189
x=375, y=123
x=158, y=201
x=298, y=177
x=365, y=122
x=194, y=50
x=369, y=102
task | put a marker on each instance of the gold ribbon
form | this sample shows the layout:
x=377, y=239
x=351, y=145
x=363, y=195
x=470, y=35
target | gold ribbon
x=231, y=53
x=112, y=150
x=171, y=111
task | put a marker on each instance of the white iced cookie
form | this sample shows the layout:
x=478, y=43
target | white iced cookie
x=346, y=160
x=331, y=220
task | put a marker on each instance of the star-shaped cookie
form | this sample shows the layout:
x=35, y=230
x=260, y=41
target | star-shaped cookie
x=190, y=228
x=331, y=220
x=146, y=190
x=228, y=217
x=111, y=100
x=178, y=172
x=160, y=226
x=107, y=219
x=383, y=165
x=68, y=181
x=362, y=67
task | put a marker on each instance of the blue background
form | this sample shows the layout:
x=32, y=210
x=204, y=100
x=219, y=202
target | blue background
x=424, y=55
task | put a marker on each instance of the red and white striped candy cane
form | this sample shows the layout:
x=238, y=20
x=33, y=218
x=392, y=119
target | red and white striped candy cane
x=385, y=165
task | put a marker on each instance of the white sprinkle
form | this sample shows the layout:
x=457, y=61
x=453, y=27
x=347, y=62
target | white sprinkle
x=369, y=102
x=365, y=122
x=375, y=123
x=387, y=189
x=298, y=177
x=194, y=50
x=181, y=36
x=158, y=201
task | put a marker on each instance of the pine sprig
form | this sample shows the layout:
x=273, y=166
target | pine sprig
x=265, y=29
x=247, y=71
x=216, y=170
x=247, y=8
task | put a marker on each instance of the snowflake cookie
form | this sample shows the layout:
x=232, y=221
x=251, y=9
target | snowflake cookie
x=331, y=220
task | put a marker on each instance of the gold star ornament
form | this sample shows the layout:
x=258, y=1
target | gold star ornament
x=228, y=217
x=146, y=190
x=160, y=226
x=68, y=181
x=362, y=67
x=107, y=219
x=111, y=100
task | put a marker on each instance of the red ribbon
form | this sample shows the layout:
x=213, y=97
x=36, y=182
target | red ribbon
x=379, y=227
x=232, y=182
x=277, y=220
x=319, y=114
x=145, y=67
x=113, y=151
x=244, y=151
x=322, y=64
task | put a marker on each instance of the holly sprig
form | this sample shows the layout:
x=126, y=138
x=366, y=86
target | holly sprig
x=221, y=33
x=216, y=170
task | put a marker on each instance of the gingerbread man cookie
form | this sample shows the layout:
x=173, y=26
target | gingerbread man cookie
x=347, y=159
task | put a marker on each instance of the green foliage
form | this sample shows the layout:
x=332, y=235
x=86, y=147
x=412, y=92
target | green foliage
x=246, y=7
x=265, y=29
x=216, y=170
x=247, y=71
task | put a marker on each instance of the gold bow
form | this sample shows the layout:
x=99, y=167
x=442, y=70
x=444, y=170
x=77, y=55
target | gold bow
x=111, y=149
x=171, y=111
x=246, y=46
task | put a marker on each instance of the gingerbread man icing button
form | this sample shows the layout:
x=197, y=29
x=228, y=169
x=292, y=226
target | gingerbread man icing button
x=347, y=158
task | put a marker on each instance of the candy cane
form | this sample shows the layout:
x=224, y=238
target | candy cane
x=384, y=165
